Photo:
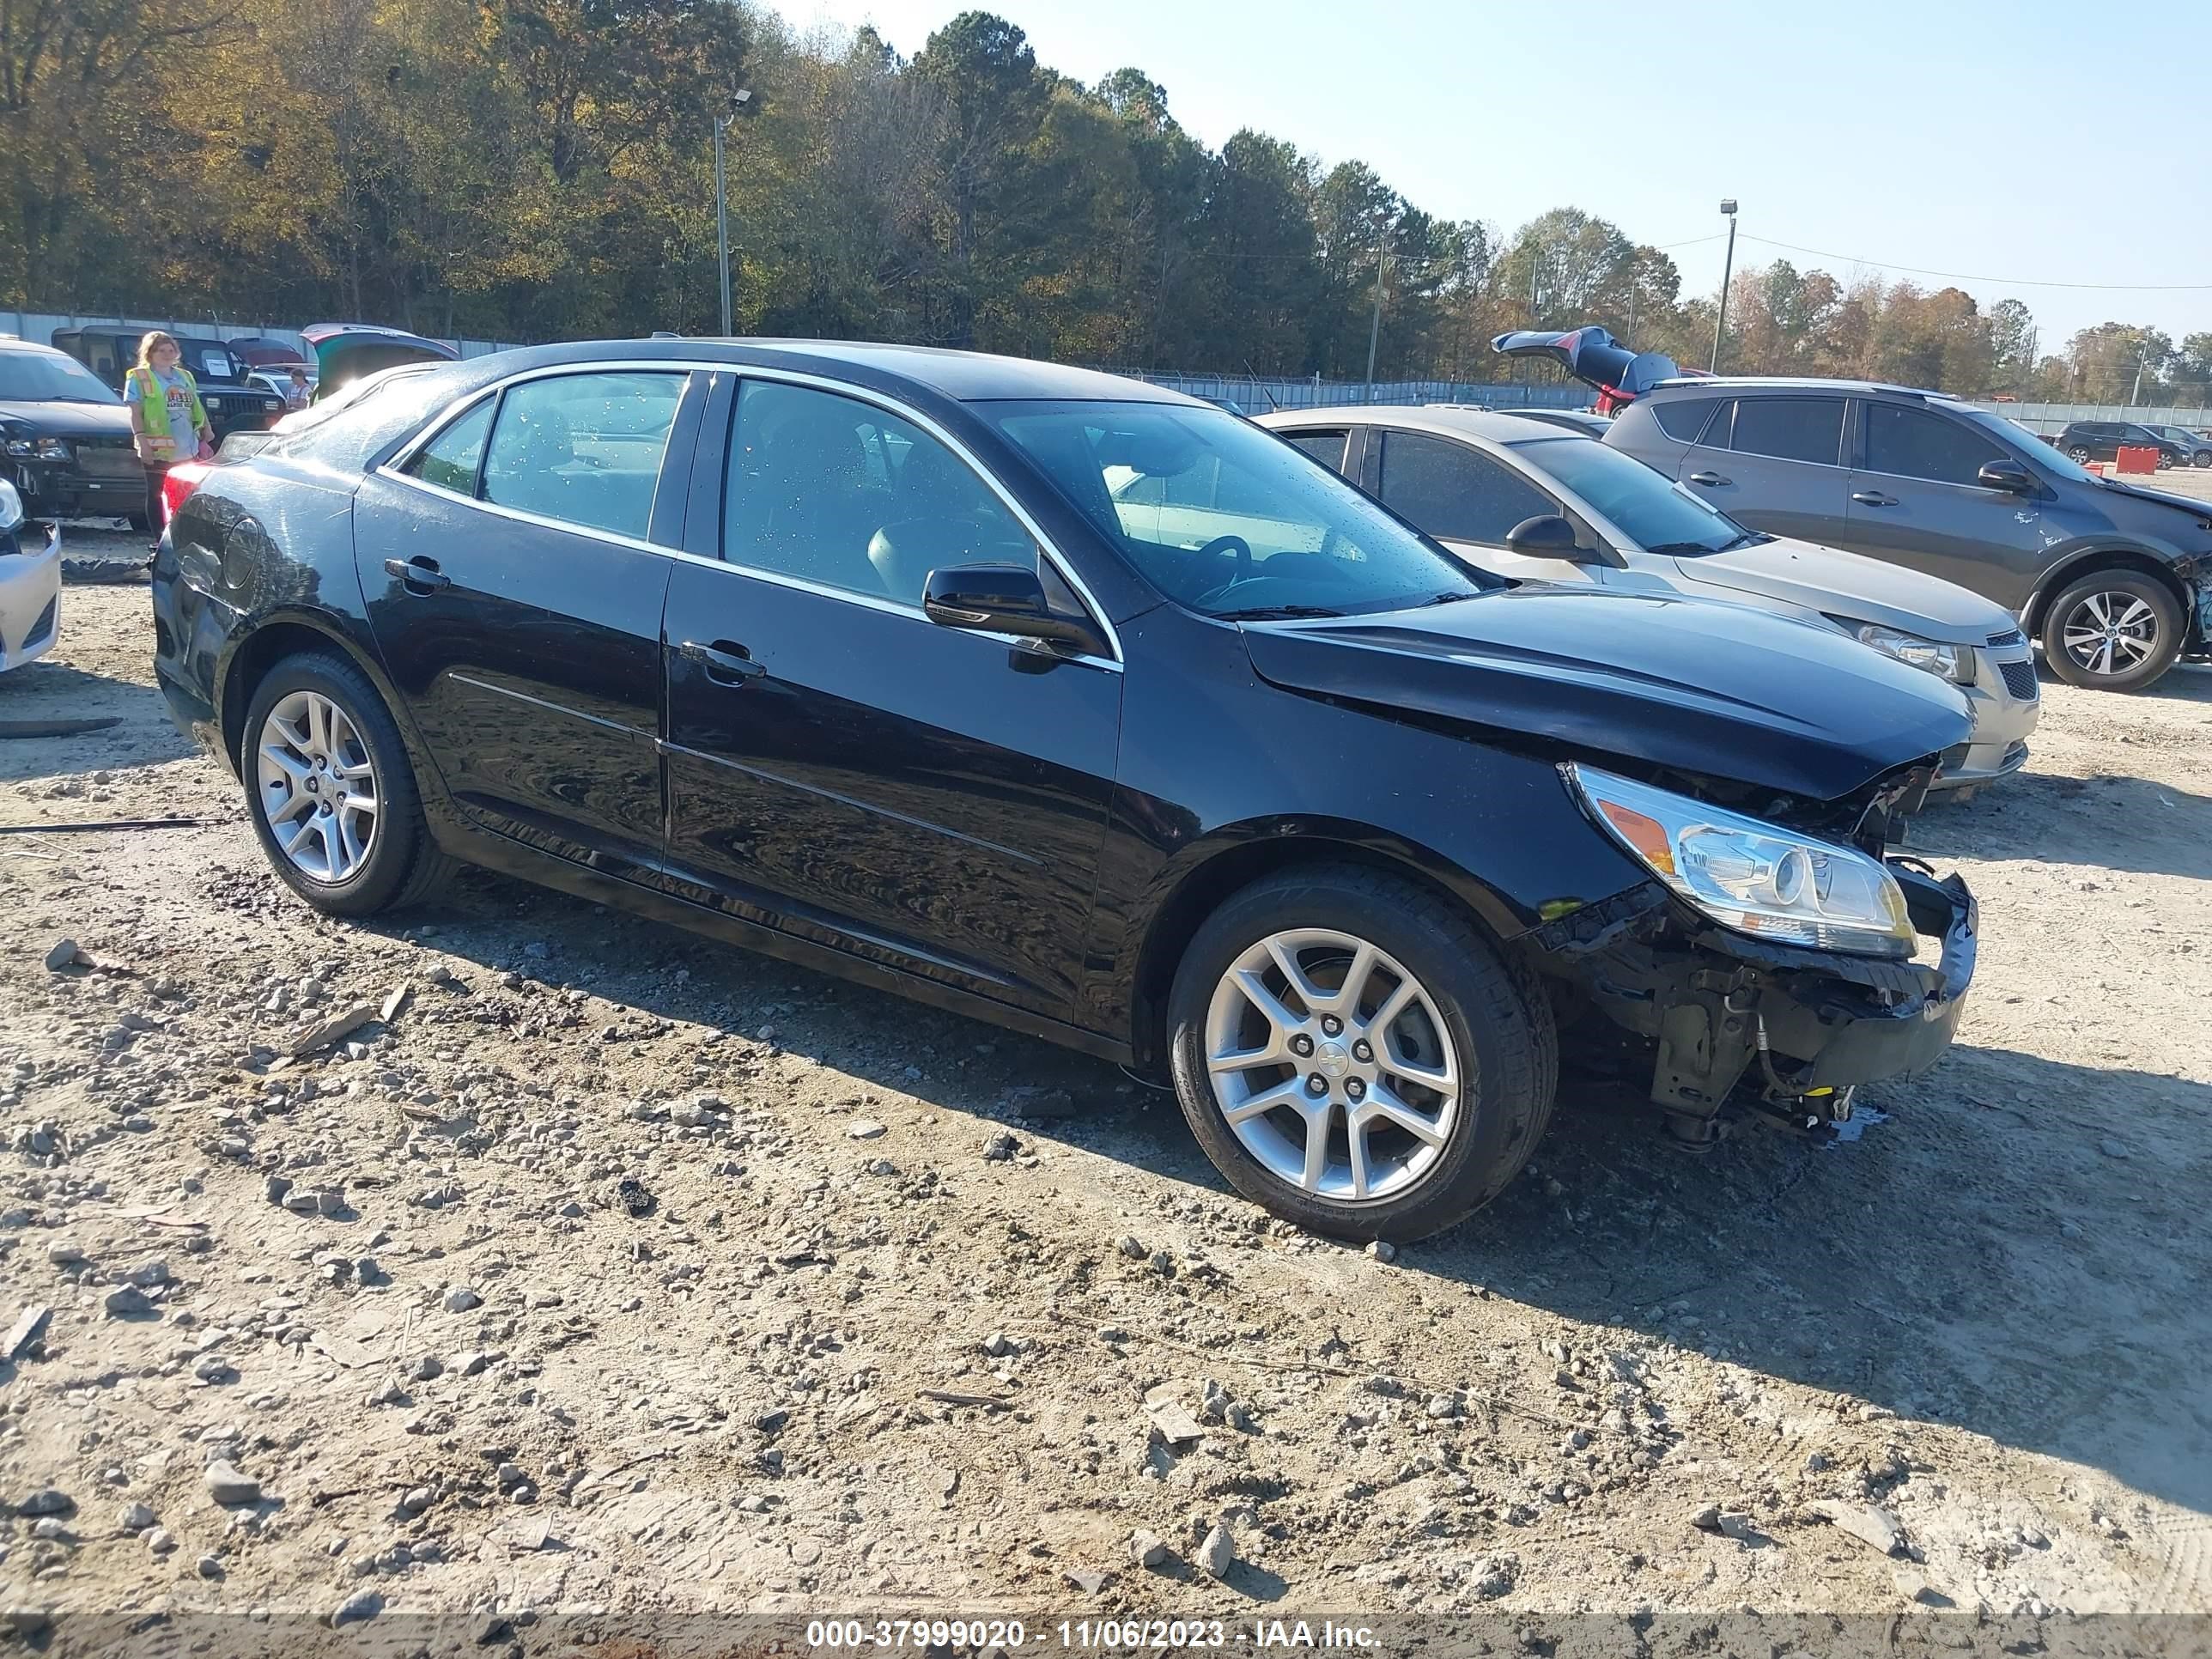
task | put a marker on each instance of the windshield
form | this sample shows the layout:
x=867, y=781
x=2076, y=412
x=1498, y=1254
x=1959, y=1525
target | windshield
x=33, y=377
x=1658, y=516
x=1226, y=518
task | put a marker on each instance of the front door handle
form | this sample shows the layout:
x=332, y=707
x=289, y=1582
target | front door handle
x=1709, y=479
x=726, y=662
x=1872, y=498
x=419, y=574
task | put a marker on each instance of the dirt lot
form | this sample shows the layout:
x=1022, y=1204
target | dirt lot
x=460, y=1370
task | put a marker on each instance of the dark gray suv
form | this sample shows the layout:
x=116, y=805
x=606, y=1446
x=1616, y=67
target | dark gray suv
x=2114, y=581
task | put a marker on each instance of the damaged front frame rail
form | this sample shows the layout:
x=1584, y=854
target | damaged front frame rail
x=1780, y=1028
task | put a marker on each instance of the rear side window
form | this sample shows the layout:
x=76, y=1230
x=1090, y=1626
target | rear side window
x=1683, y=418
x=1327, y=447
x=1454, y=492
x=584, y=449
x=450, y=459
x=1790, y=428
x=1914, y=443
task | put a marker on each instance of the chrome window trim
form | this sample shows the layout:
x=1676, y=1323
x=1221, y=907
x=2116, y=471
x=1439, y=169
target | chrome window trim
x=393, y=468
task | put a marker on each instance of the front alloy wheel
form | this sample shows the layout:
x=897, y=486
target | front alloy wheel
x=1353, y=1053
x=2114, y=630
x=318, y=784
x=1331, y=1064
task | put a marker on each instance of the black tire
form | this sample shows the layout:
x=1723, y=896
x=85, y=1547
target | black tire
x=403, y=865
x=2122, y=588
x=2078, y=452
x=140, y=523
x=2203, y=458
x=1493, y=1011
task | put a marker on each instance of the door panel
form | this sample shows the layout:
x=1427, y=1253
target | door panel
x=1781, y=469
x=529, y=652
x=1913, y=501
x=841, y=767
x=939, y=794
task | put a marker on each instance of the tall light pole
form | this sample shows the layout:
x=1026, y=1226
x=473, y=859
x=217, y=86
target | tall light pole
x=738, y=100
x=1727, y=270
x=1374, y=325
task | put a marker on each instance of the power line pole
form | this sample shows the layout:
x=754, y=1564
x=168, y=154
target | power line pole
x=1375, y=326
x=2135, y=393
x=738, y=101
x=1727, y=270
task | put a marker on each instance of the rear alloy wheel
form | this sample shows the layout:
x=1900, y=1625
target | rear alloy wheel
x=2113, y=630
x=2203, y=458
x=2078, y=452
x=1357, y=1058
x=332, y=798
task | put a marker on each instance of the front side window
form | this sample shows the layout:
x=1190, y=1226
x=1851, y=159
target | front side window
x=450, y=459
x=1652, y=512
x=831, y=490
x=1790, y=428
x=585, y=449
x=1455, y=493
x=1912, y=443
x=1223, y=517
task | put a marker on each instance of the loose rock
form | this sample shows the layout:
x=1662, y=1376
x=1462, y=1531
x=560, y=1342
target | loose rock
x=227, y=1485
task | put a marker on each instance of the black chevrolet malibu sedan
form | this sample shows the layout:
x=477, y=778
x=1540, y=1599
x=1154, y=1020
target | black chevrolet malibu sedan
x=1087, y=709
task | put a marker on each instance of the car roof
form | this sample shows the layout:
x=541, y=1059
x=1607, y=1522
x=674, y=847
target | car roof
x=959, y=376
x=8, y=343
x=1793, y=383
x=1493, y=425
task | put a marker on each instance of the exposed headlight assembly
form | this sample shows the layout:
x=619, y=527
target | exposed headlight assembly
x=1756, y=878
x=1952, y=662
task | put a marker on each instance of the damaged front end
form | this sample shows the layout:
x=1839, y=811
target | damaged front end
x=1736, y=1020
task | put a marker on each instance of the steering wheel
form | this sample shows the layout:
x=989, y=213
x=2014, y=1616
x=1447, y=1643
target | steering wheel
x=1236, y=545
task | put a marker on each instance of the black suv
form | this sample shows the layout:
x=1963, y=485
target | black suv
x=2114, y=580
x=65, y=438
x=233, y=403
x=2102, y=440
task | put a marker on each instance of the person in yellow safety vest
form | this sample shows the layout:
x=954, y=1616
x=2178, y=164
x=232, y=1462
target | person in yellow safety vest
x=168, y=422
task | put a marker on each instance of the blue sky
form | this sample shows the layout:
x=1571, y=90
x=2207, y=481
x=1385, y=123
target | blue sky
x=2029, y=140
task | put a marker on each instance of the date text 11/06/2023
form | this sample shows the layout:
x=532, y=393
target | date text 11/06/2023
x=1084, y=1635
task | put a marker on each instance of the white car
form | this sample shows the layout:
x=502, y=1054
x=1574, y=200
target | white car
x=30, y=584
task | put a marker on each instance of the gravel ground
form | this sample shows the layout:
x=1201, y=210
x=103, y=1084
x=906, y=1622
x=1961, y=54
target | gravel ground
x=605, y=1267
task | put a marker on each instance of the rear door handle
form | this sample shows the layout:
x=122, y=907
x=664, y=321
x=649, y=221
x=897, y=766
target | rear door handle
x=1872, y=498
x=419, y=574
x=726, y=662
x=1707, y=478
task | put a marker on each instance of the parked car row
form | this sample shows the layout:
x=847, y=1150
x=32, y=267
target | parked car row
x=1113, y=717
x=2112, y=580
x=1519, y=498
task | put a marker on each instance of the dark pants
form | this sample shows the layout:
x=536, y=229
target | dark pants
x=155, y=472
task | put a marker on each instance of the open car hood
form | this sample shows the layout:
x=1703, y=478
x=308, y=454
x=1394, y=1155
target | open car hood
x=1848, y=585
x=346, y=351
x=1715, y=689
x=1594, y=358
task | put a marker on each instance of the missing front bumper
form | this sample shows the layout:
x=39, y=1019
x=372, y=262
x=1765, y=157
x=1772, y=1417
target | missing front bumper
x=1789, y=1028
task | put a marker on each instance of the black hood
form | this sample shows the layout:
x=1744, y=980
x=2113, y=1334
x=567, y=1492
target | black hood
x=1717, y=689
x=52, y=419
